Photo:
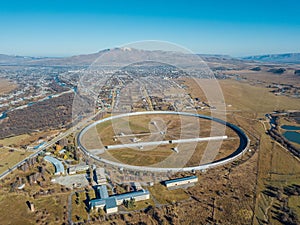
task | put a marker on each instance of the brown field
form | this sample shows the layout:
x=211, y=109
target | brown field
x=163, y=195
x=26, y=139
x=277, y=168
x=10, y=158
x=141, y=158
x=79, y=209
x=176, y=127
x=15, y=211
x=288, y=77
x=6, y=86
x=231, y=194
x=16, y=140
x=191, y=153
x=12, y=152
x=246, y=97
x=49, y=209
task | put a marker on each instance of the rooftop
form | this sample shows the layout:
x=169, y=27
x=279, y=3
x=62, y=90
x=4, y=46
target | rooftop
x=180, y=179
x=111, y=202
x=59, y=167
x=97, y=202
x=102, y=191
x=131, y=194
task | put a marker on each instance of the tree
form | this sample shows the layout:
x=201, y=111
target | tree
x=129, y=203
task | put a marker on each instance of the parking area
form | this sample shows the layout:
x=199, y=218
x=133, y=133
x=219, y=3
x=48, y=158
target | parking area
x=72, y=181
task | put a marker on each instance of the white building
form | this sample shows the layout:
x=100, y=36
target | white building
x=78, y=168
x=181, y=181
x=100, y=176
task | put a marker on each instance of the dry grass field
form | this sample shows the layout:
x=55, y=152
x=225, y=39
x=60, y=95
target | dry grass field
x=27, y=139
x=175, y=127
x=6, y=86
x=9, y=158
x=79, y=205
x=49, y=208
x=244, y=96
x=16, y=140
x=236, y=193
x=263, y=76
x=14, y=209
x=11, y=153
x=279, y=169
x=164, y=196
x=141, y=158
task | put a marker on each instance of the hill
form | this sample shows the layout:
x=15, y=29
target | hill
x=131, y=53
x=276, y=58
x=14, y=60
x=122, y=55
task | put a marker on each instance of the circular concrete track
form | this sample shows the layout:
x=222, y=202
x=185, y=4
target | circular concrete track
x=244, y=144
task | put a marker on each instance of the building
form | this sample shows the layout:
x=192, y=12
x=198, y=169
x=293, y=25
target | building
x=110, y=203
x=102, y=192
x=59, y=167
x=78, y=168
x=100, y=176
x=97, y=203
x=136, y=195
x=137, y=186
x=181, y=181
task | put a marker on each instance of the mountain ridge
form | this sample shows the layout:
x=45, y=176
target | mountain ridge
x=87, y=59
x=276, y=58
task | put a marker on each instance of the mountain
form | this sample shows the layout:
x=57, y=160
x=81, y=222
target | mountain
x=276, y=58
x=115, y=56
x=124, y=55
x=50, y=61
x=22, y=60
x=11, y=59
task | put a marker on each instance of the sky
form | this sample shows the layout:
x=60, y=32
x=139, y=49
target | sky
x=71, y=27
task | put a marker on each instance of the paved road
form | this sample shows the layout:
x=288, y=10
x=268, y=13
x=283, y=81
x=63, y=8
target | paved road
x=49, y=144
x=37, y=152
